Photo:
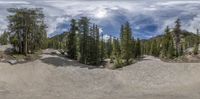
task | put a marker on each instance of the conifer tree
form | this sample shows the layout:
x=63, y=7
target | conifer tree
x=71, y=43
x=27, y=29
x=196, y=45
x=167, y=49
x=84, y=31
x=126, y=43
x=138, y=49
x=97, y=46
x=176, y=37
x=116, y=53
x=87, y=47
x=109, y=47
x=102, y=48
x=4, y=38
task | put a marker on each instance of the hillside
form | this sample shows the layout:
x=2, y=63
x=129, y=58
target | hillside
x=166, y=45
x=184, y=34
x=58, y=41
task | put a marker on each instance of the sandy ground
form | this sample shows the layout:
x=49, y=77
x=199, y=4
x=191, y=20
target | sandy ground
x=53, y=77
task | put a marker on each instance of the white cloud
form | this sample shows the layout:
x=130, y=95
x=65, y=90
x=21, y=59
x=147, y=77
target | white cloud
x=172, y=3
x=109, y=13
x=137, y=27
x=106, y=37
x=14, y=2
x=101, y=13
x=100, y=30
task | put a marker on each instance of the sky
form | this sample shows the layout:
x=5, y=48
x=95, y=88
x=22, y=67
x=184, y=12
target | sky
x=148, y=18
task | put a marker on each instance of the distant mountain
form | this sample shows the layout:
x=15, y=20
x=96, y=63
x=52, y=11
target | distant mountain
x=184, y=34
x=60, y=29
x=60, y=36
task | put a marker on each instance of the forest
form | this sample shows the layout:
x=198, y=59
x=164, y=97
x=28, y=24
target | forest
x=27, y=33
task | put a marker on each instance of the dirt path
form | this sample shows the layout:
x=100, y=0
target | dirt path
x=54, y=77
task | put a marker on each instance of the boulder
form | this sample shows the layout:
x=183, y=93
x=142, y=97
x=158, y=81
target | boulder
x=12, y=62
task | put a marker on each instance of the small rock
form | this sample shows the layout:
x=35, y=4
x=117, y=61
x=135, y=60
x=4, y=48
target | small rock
x=65, y=54
x=58, y=53
x=3, y=59
x=101, y=66
x=12, y=62
x=21, y=60
x=62, y=51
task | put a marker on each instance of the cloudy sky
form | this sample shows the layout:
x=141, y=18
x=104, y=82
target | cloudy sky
x=148, y=18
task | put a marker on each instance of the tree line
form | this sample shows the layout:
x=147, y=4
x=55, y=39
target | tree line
x=173, y=43
x=84, y=42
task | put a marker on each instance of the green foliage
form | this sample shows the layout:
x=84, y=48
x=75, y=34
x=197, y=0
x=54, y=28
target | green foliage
x=27, y=29
x=102, y=48
x=71, y=43
x=58, y=41
x=177, y=38
x=4, y=38
x=172, y=44
x=167, y=49
x=83, y=42
x=137, y=49
x=196, y=45
x=109, y=47
x=196, y=49
x=116, y=53
x=126, y=43
x=84, y=34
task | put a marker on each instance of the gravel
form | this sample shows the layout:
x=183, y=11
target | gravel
x=147, y=79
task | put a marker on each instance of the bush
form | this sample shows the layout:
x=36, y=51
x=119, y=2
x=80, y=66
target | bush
x=196, y=49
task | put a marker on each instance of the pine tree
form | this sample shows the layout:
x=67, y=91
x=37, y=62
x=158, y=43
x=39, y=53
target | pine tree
x=27, y=29
x=171, y=50
x=97, y=46
x=88, y=46
x=116, y=54
x=84, y=31
x=138, y=49
x=102, y=48
x=176, y=37
x=165, y=42
x=71, y=43
x=196, y=45
x=126, y=43
x=109, y=47
x=4, y=38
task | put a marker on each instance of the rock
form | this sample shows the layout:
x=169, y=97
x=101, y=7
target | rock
x=65, y=54
x=62, y=51
x=101, y=66
x=57, y=52
x=53, y=53
x=12, y=62
x=21, y=60
x=3, y=59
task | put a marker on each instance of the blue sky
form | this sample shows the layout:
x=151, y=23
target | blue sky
x=148, y=18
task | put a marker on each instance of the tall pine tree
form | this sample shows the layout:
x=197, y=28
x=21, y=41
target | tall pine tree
x=176, y=37
x=71, y=43
x=126, y=43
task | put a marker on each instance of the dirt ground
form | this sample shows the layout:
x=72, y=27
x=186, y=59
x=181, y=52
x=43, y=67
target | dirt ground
x=54, y=77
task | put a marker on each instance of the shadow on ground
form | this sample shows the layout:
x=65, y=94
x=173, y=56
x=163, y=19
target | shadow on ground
x=64, y=62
